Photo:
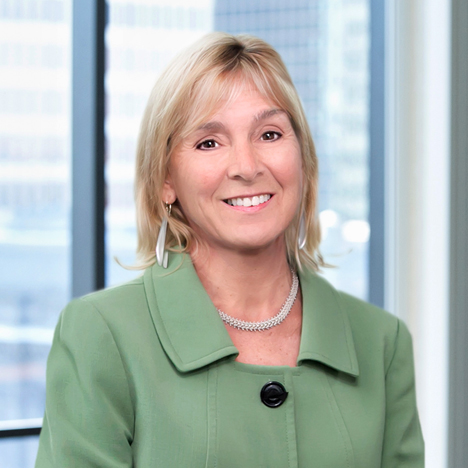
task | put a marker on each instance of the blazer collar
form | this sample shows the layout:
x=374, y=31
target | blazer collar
x=193, y=335
x=326, y=331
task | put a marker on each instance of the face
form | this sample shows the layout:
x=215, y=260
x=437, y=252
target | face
x=238, y=177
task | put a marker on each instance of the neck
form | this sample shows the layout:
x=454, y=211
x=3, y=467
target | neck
x=250, y=286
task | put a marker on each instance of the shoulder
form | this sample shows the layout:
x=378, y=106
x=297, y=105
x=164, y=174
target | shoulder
x=360, y=313
x=367, y=316
x=115, y=296
x=115, y=300
x=112, y=308
x=376, y=333
x=378, y=330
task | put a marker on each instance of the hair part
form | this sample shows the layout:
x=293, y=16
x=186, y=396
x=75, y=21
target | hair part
x=194, y=85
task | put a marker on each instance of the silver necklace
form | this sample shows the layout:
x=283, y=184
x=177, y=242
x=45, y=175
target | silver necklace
x=265, y=324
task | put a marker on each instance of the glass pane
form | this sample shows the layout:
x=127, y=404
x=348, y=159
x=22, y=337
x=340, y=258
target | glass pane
x=34, y=200
x=19, y=452
x=325, y=46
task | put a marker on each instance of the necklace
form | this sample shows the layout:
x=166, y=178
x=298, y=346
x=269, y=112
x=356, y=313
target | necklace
x=272, y=322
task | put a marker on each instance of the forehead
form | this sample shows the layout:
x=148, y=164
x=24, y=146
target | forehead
x=207, y=103
x=248, y=105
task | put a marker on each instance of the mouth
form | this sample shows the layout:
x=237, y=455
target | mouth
x=248, y=201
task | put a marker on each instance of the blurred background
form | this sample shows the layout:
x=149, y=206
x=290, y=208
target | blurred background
x=378, y=81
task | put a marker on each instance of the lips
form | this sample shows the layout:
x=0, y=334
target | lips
x=248, y=201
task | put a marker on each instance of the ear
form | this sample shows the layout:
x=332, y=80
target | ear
x=169, y=194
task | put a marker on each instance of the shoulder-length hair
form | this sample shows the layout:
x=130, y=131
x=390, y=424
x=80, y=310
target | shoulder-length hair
x=188, y=92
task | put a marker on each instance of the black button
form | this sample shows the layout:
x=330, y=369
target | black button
x=273, y=394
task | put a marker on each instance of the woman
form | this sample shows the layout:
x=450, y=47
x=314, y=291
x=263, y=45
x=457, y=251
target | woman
x=230, y=350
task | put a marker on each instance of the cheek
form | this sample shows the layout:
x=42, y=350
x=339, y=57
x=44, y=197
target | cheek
x=289, y=172
x=196, y=182
x=209, y=178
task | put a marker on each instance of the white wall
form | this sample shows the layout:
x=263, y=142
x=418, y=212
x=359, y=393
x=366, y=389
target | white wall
x=418, y=199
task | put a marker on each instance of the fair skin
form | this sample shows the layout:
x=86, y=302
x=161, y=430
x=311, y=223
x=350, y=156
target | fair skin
x=247, y=149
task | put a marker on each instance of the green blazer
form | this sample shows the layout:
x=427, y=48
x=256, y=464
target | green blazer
x=144, y=375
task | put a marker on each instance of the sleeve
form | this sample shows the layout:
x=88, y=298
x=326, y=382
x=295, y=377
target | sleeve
x=403, y=442
x=89, y=418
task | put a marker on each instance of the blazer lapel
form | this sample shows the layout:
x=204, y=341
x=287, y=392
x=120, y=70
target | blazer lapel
x=326, y=331
x=188, y=325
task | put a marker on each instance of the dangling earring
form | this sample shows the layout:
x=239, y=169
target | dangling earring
x=301, y=238
x=161, y=254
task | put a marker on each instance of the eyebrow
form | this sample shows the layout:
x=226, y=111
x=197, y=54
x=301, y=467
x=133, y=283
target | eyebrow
x=216, y=126
x=213, y=126
x=268, y=113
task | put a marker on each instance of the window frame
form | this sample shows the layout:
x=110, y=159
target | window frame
x=88, y=151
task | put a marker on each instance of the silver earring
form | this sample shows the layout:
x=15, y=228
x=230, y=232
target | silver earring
x=161, y=254
x=301, y=238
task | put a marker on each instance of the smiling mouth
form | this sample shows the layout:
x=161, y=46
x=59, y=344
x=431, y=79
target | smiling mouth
x=252, y=201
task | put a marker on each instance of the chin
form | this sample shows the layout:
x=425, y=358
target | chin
x=253, y=245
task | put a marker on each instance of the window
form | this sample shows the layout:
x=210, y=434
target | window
x=325, y=46
x=34, y=204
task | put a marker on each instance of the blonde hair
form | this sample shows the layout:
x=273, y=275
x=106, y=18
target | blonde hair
x=188, y=92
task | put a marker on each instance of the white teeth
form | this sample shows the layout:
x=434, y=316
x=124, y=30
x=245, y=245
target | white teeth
x=254, y=201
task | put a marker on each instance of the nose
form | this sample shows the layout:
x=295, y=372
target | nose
x=245, y=163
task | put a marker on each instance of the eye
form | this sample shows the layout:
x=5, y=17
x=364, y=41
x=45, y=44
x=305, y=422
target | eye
x=207, y=145
x=271, y=136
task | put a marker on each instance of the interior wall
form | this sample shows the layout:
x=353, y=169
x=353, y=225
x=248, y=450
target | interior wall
x=418, y=161
x=458, y=379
